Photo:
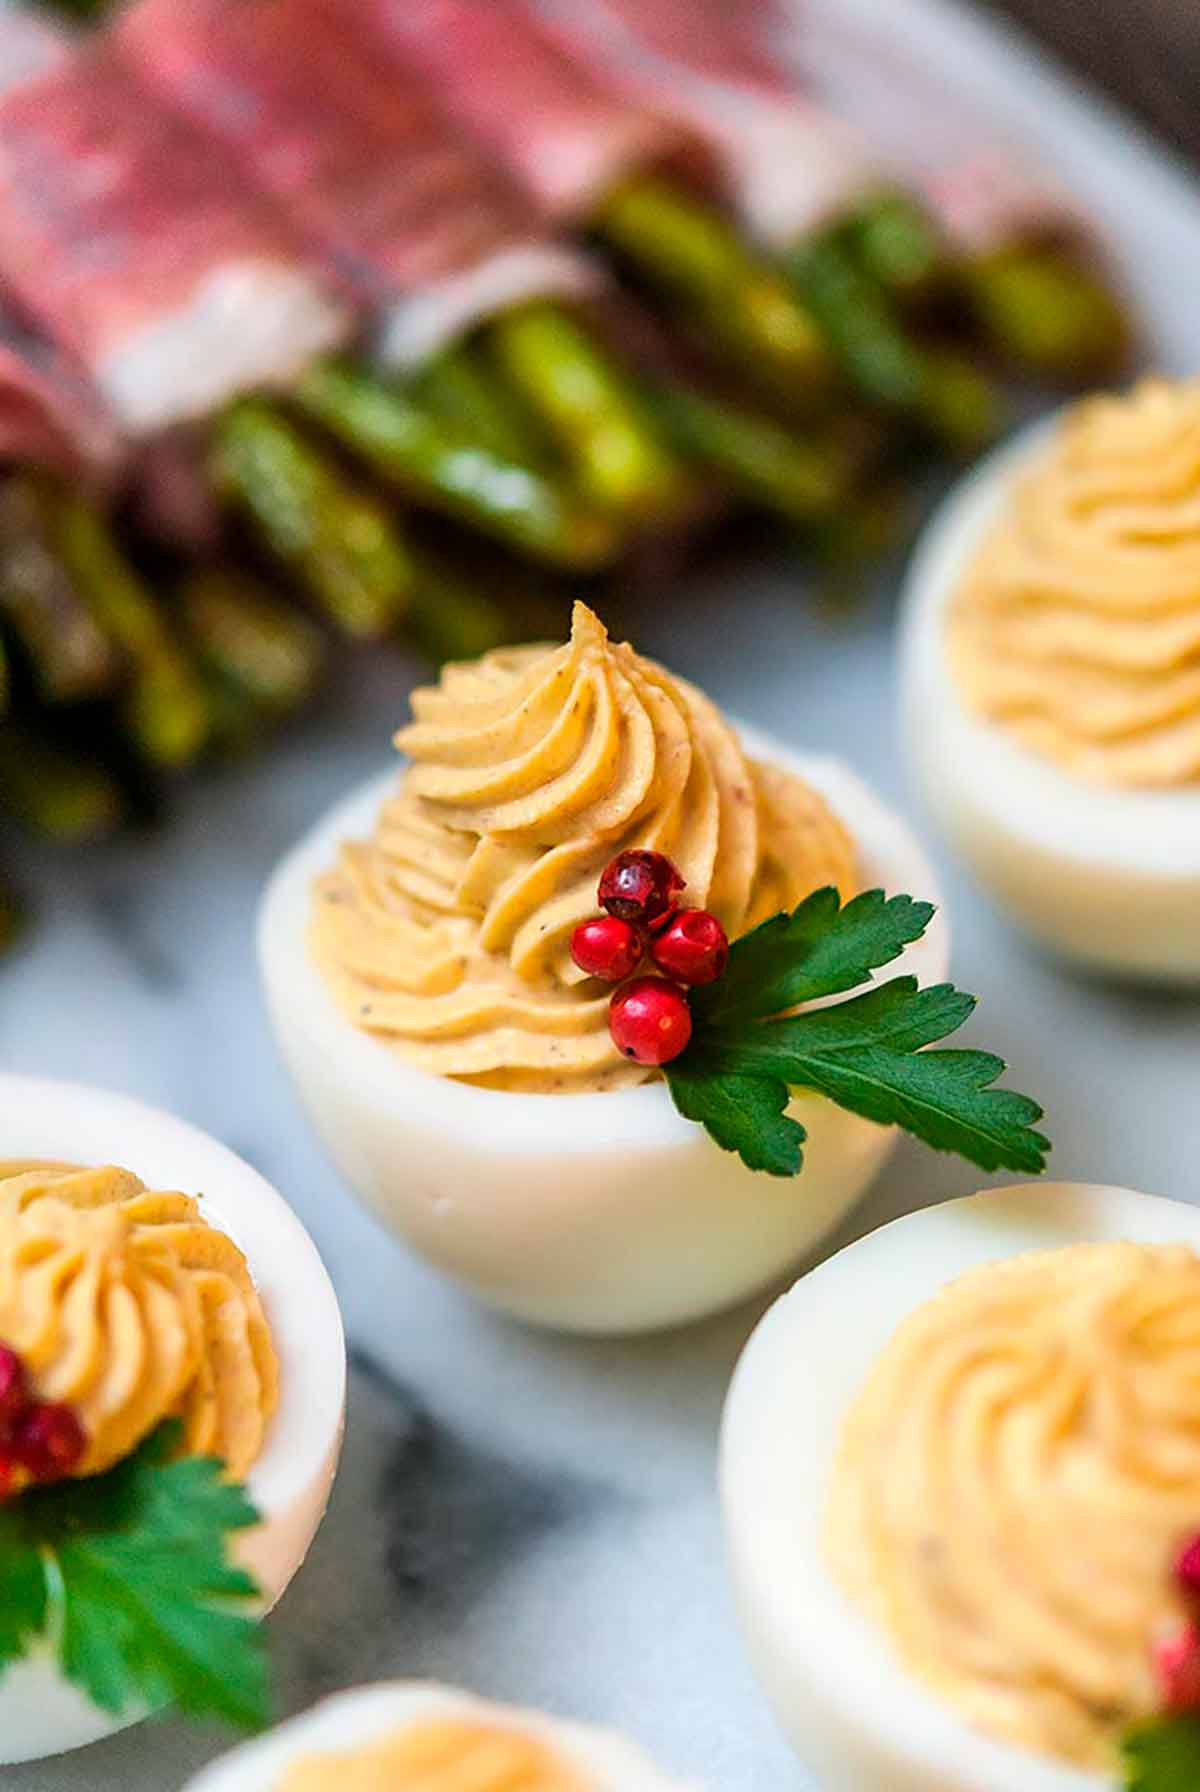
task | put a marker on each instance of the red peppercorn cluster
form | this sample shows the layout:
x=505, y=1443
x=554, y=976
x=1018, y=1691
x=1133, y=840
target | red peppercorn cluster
x=1177, y=1655
x=39, y=1442
x=649, y=1017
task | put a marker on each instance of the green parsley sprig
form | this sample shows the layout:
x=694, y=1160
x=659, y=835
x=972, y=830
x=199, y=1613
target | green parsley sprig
x=749, y=1050
x=127, y=1576
x=1162, y=1755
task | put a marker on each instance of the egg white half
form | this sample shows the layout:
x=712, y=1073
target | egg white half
x=1106, y=876
x=356, y=1719
x=850, y=1709
x=41, y=1713
x=598, y=1212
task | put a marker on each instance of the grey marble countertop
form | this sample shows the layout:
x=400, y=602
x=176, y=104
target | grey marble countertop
x=532, y=1517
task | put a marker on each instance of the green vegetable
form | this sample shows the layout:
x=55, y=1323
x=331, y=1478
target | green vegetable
x=128, y=1577
x=165, y=706
x=251, y=641
x=459, y=385
x=1162, y=1755
x=866, y=1053
x=454, y=615
x=736, y=300
x=899, y=244
x=1047, y=313
x=799, y=478
x=590, y=407
x=342, y=546
x=70, y=656
x=948, y=397
x=437, y=465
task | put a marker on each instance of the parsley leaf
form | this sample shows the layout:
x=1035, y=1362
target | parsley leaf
x=865, y=1053
x=129, y=1574
x=744, y=1114
x=23, y=1596
x=820, y=949
x=1162, y=1755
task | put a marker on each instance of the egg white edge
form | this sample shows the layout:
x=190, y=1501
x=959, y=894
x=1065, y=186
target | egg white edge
x=41, y=1118
x=890, y=855
x=358, y=1718
x=780, y=1434
x=1144, y=830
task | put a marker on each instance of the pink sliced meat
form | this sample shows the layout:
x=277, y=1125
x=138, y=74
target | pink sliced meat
x=813, y=107
x=353, y=146
x=49, y=415
x=141, y=252
x=789, y=163
x=564, y=135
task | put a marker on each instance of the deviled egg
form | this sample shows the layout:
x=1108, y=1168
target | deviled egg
x=406, y=1736
x=126, y=1303
x=958, y=1463
x=459, y=1065
x=1051, y=679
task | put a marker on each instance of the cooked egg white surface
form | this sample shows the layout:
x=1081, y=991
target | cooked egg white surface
x=853, y=1713
x=1108, y=876
x=599, y=1212
x=354, y=1720
x=40, y=1712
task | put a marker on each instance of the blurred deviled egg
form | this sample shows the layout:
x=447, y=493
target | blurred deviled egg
x=412, y=1736
x=961, y=1481
x=419, y=951
x=1051, y=679
x=142, y=1329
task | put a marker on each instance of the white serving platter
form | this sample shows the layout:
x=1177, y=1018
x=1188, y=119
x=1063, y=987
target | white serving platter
x=534, y=1517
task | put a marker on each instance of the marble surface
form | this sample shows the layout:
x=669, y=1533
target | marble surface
x=534, y=1517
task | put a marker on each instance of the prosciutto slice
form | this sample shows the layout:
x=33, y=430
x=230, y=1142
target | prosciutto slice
x=49, y=415
x=789, y=163
x=142, y=253
x=812, y=107
x=564, y=135
x=359, y=155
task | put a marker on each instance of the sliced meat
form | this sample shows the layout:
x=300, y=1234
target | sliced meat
x=141, y=251
x=49, y=414
x=354, y=147
x=788, y=162
x=566, y=136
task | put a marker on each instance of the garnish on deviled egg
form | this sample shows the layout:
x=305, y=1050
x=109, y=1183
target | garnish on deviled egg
x=465, y=937
x=961, y=1468
x=549, y=995
x=137, y=1382
x=447, y=936
x=1014, y=1480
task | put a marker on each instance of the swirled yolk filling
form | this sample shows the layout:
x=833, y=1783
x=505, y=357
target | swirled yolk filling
x=447, y=935
x=443, y=1756
x=1014, y=1481
x=1077, y=626
x=125, y=1304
